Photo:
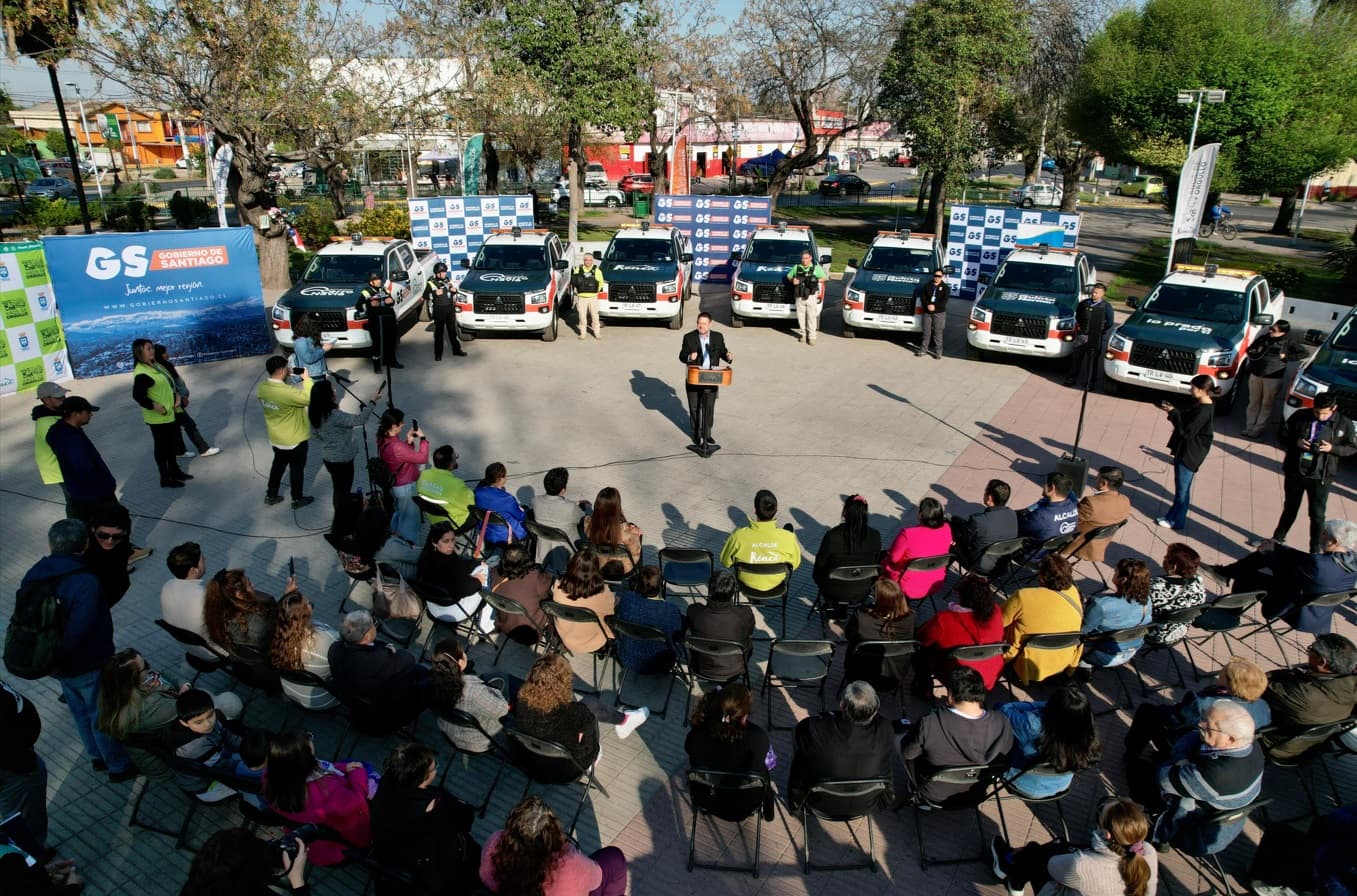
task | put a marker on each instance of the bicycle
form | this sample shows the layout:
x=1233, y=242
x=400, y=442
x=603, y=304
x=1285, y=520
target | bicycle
x=1227, y=228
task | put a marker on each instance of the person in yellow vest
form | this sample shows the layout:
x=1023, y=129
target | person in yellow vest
x=762, y=541
x=439, y=485
x=153, y=389
x=587, y=282
x=288, y=429
x=48, y=411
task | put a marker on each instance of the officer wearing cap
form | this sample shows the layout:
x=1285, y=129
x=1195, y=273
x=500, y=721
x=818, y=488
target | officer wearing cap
x=89, y=483
x=382, y=324
x=47, y=412
x=441, y=296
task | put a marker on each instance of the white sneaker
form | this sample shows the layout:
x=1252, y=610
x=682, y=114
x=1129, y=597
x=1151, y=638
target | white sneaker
x=188, y=454
x=211, y=451
x=215, y=793
x=635, y=719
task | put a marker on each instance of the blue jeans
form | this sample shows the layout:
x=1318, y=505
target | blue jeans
x=82, y=699
x=407, y=518
x=1182, y=496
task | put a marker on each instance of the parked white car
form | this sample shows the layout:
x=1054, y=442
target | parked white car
x=1037, y=195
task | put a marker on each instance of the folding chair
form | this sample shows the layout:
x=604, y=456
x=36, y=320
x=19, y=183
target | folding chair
x=252, y=668
x=1101, y=533
x=970, y=653
x=796, y=664
x=1028, y=566
x=437, y=599
x=879, y=653
x=689, y=568
x=930, y=564
x=358, y=570
x=1050, y=641
x=510, y=607
x=560, y=611
x=844, y=801
x=1320, y=740
x=1332, y=599
x=369, y=718
x=550, y=764
x=729, y=796
x=1207, y=865
x=306, y=679
x=857, y=579
x=624, y=631
x=776, y=594
x=996, y=558
x=712, y=650
x=197, y=663
x=462, y=719
x=477, y=517
x=978, y=779
x=1183, y=616
x=548, y=539
x=1006, y=787
x=1219, y=618
x=1119, y=638
x=378, y=873
x=613, y=553
x=162, y=768
x=433, y=512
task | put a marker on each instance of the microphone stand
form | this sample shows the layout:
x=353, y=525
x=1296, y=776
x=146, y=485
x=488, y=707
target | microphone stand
x=362, y=410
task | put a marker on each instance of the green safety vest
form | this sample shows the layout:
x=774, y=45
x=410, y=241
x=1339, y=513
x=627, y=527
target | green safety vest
x=46, y=458
x=162, y=393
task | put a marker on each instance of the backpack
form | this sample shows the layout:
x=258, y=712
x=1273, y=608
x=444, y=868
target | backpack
x=33, y=638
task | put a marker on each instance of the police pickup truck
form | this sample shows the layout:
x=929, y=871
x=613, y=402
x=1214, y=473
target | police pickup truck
x=516, y=283
x=330, y=286
x=1198, y=319
x=880, y=293
x=1332, y=368
x=1028, y=308
x=761, y=288
x=646, y=274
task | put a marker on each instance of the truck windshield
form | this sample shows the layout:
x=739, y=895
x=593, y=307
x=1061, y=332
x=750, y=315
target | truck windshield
x=899, y=259
x=1216, y=306
x=653, y=251
x=1345, y=337
x=1027, y=276
x=786, y=252
x=511, y=257
x=342, y=268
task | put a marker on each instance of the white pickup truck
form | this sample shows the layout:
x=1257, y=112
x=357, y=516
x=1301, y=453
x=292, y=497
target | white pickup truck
x=330, y=287
x=595, y=193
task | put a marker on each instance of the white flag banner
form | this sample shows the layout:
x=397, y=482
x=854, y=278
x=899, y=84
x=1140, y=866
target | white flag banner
x=1193, y=188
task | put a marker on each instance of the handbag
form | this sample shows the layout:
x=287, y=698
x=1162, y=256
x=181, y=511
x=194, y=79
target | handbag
x=392, y=597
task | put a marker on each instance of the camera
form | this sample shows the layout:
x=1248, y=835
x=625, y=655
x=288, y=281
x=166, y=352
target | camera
x=307, y=833
x=298, y=371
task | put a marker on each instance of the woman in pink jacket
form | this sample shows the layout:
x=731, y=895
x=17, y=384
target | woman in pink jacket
x=304, y=790
x=933, y=536
x=403, y=459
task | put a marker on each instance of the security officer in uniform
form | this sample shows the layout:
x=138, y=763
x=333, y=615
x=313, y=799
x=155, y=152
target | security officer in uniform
x=382, y=324
x=441, y=295
x=1093, y=321
x=930, y=303
x=806, y=277
x=587, y=282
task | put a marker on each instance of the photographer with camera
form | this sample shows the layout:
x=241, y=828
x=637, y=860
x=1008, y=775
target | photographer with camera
x=234, y=862
x=806, y=277
x=1314, y=439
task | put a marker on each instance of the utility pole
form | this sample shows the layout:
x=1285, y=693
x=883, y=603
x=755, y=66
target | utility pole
x=71, y=148
x=89, y=142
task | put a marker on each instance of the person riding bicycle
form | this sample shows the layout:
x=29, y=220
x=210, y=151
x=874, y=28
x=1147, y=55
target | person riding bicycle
x=1219, y=212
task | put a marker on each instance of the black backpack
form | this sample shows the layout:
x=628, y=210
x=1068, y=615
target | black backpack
x=33, y=638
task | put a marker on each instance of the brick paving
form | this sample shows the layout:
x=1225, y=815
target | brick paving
x=813, y=424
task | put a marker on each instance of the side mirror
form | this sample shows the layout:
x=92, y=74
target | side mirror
x=852, y=262
x=1132, y=301
x=983, y=278
x=400, y=276
x=466, y=263
x=686, y=257
x=598, y=256
x=561, y=264
x=737, y=256
x=1088, y=289
x=824, y=259
x=1263, y=320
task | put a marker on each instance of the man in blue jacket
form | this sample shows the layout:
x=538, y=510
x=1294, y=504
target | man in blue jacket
x=86, y=642
x=1055, y=514
x=1292, y=578
x=89, y=483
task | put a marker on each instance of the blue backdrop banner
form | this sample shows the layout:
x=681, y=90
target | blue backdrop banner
x=981, y=236
x=197, y=291
x=455, y=227
x=715, y=226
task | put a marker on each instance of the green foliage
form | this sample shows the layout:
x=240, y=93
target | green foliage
x=1342, y=257
x=297, y=260
x=133, y=216
x=189, y=211
x=55, y=140
x=1286, y=277
x=164, y=173
x=316, y=222
x=51, y=214
x=391, y=220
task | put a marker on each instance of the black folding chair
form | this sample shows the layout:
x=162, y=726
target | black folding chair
x=436, y=598
x=930, y=564
x=198, y=664
x=548, y=539
x=1006, y=787
x=978, y=780
x=252, y=668
x=372, y=717
x=713, y=650
x=1101, y=533
x=650, y=635
x=689, y=568
x=383, y=878
x=1207, y=865
x=729, y=796
x=777, y=594
x=1278, y=625
x=507, y=606
x=880, y=654
x=844, y=801
x=856, y=580
x=304, y=678
x=356, y=576
x=970, y=653
x=1316, y=741
x=1027, y=568
x=796, y=664
x=996, y=558
x=465, y=720
x=1182, y=616
x=560, y=611
x=1051, y=641
x=552, y=765
x=434, y=512
x=162, y=768
x=477, y=518
x=1117, y=639
x=609, y=554
x=1219, y=619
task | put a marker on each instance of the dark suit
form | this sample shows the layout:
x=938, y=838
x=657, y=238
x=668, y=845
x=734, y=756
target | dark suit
x=828, y=747
x=980, y=530
x=723, y=621
x=702, y=399
x=1292, y=579
x=1104, y=508
x=382, y=675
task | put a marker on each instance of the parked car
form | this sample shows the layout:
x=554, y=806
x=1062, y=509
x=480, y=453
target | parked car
x=899, y=159
x=1039, y=194
x=843, y=185
x=51, y=188
x=1048, y=164
x=642, y=182
x=1142, y=185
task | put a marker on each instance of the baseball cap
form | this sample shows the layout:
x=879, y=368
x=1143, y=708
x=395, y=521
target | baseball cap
x=76, y=403
x=52, y=390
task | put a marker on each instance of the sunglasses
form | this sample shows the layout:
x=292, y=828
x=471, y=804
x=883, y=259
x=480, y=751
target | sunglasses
x=110, y=536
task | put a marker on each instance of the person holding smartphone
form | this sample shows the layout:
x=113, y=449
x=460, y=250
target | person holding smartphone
x=1191, y=441
x=403, y=458
x=288, y=429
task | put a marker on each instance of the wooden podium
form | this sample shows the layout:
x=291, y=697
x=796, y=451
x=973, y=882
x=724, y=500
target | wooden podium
x=703, y=376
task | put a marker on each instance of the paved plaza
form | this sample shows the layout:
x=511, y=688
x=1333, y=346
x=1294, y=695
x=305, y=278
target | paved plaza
x=813, y=424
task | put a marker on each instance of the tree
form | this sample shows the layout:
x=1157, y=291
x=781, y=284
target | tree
x=56, y=142
x=944, y=78
x=12, y=139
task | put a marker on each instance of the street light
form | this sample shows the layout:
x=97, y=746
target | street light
x=1198, y=96
x=85, y=126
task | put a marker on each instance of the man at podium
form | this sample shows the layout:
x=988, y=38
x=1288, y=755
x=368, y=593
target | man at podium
x=703, y=348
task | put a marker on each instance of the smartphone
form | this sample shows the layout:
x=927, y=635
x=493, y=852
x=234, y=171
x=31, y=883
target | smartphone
x=292, y=567
x=297, y=371
x=414, y=424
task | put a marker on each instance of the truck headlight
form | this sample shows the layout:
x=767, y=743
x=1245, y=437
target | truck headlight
x=536, y=298
x=855, y=295
x=279, y=312
x=1308, y=387
x=744, y=286
x=980, y=315
x=466, y=296
x=1119, y=343
x=669, y=286
x=1220, y=359
x=1065, y=323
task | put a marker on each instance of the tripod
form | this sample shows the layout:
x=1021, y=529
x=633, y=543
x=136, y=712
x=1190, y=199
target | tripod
x=1072, y=464
x=344, y=384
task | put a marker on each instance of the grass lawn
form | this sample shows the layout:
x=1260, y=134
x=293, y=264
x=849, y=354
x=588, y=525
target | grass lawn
x=1138, y=276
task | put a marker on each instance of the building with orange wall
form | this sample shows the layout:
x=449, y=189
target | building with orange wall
x=150, y=138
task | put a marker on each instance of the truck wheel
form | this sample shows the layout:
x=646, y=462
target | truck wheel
x=676, y=322
x=1111, y=386
x=736, y=320
x=1225, y=405
x=973, y=353
x=1117, y=191
x=849, y=332
x=549, y=334
x=1028, y=202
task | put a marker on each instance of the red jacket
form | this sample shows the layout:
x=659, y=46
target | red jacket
x=959, y=628
x=339, y=801
x=402, y=460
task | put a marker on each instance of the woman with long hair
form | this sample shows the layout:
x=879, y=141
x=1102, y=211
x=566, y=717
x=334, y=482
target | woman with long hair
x=454, y=576
x=300, y=643
x=338, y=434
x=234, y=862
x=583, y=586
x=308, y=348
x=134, y=699
x=1178, y=588
x=1193, y=432
x=517, y=577
x=722, y=738
x=305, y=790
x=887, y=617
x=1128, y=606
x=851, y=543
x=422, y=829
x=186, y=424
x=532, y=856
x=969, y=621
x=403, y=458
x=1119, y=860
x=238, y=617
x=1051, y=606
x=546, y=707
x=452, y=687
x=931, y=537
x=153, y=390
x=607, y=526
x=1058, y=732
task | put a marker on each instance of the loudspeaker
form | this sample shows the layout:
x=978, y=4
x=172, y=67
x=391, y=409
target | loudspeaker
x=1077, y=469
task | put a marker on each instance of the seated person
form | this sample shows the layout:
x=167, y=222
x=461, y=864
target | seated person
x=422, y=829
x=722, y=620
x=452, y=687
x=1107, y=506
x=302, y=644
x=492, y=495
x=1292, y=577
x=643, y=603
x=1052, y=606
x=453, y=582
x=546, y=708
x=362, y=536
x=1128, y=606
x=1316, y=860
x=182, y=597
x=997, y=522
x=961, y=733
x=136, y=700
x=1058, y=732
x=200, y=737
x=887, y=617
x=851, y=543
x=1178, y=588
x=969, y=621
x=1323, y=690
x=439, y=485
x=1160, y=725
x=553, y=509
x=238, y=862
x=533, y=855
x=1118, y=861
x=305, y=790
x=762, y=541
x=723, y=739
x=237, y=617
x=583, y=586
x=931, y=537
x=851, y=744
x=521, y=580
x=392, y=688
x=607, y=527
x=1056, y=513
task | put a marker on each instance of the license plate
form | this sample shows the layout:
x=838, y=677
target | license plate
x=1016, y=342
x=1161, y=376
x=889, y=318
